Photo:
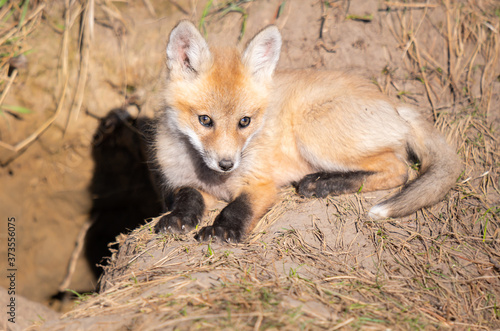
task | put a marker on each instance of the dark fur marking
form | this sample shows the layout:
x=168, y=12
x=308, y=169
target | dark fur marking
x=321, y=184
x=203, y=172
x=411, y=155
x=230, y=224
x=187, y=209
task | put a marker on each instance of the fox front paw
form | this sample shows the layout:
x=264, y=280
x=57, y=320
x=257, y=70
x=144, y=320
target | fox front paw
x=175, y=223
x=221, y=233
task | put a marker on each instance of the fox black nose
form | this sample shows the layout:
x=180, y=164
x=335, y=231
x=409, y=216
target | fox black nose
x=226, y=165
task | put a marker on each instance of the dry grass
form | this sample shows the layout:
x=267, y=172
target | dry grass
x=437, y=269
x=17, y=22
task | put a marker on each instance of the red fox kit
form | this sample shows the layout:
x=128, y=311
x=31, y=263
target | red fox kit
x=234, y=129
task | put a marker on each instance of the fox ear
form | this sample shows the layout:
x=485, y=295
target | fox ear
x=187, y=50
x=263, y=52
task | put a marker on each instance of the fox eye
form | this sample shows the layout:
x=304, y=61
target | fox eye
x=244, y=122
x=205, y=120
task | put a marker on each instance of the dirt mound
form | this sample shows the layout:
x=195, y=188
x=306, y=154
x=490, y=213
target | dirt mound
x=314, y=263
x=27, y=313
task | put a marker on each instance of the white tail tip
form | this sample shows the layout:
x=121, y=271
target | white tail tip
x=378, y=212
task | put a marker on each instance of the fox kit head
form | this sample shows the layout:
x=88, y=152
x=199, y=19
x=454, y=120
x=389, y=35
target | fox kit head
x=217, y=97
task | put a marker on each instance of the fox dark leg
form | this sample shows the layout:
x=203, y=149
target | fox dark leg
x=321, y=184
x=231, y=223
x=187, y=210
x=241, y=215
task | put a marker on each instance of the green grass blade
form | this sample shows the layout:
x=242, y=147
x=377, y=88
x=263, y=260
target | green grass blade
x=24, y=12
x=203, y=16
x=16, y=109
x=280, y=9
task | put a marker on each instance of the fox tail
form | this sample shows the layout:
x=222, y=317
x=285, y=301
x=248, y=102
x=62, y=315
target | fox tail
x=439, y=170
